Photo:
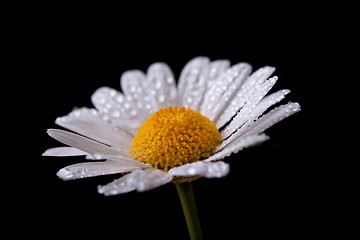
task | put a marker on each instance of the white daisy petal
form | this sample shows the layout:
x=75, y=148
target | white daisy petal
x=201, y=168
x=265, y=103
x=268, y=101
x=272, y=117
x=132, y=79
x=84, y=144
x=135, y=87
x=63, y=152
x=162, y=86
x=237, y=145
x=117, y=110
x=95, y=149
x=87, y=122
x=192, y=82
x=216, y=68
x=140, y=180
x=245, y=113
x=226, y=87
x=91, y=169
x=124, y=160
x=242, y=96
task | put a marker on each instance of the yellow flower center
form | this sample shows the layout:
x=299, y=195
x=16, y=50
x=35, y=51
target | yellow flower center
x=172, y=137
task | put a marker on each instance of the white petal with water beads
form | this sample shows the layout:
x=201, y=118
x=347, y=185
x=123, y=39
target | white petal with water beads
x=192, y=82
x=63, y=152
x=260, y=109
x=161, y=89
x=87, y=122
x=92, y=169
x=242, y=96
x=271, y=118
x=139, y=180
x=203, y=169
x=236, y=146
x=222, y=90
x=95, y=149
x=245, y=113
x=117, y=110
x=82, y=143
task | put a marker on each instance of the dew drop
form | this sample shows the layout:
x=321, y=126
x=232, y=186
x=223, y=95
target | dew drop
x=133, y=112
x=158, y=85
x=100, y=100
x=189, y=99
x=115, y=114
x=169, y=80
x=161, y=98
x=191, y=171
x=112, y=93
x=119, y=99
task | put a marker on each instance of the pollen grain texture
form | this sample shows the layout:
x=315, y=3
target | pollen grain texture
x=172, y=137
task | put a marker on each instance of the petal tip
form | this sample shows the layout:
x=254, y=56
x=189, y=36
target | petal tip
x=101, y=189
x=65, y=174
x=46, y=153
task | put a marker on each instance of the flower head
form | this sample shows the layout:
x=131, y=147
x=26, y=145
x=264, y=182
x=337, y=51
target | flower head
x=156, y=132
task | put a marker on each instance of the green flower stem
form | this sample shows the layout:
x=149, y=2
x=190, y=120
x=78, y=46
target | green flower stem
x=186, y=195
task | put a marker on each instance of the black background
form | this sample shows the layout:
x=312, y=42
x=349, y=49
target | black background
x=280, y=188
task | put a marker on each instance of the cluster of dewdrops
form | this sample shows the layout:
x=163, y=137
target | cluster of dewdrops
x=172, y=137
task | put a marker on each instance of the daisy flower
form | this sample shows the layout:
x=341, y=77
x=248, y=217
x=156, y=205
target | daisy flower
x=156, y=132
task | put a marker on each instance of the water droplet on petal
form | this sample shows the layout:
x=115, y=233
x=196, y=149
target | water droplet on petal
x=191, y=171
